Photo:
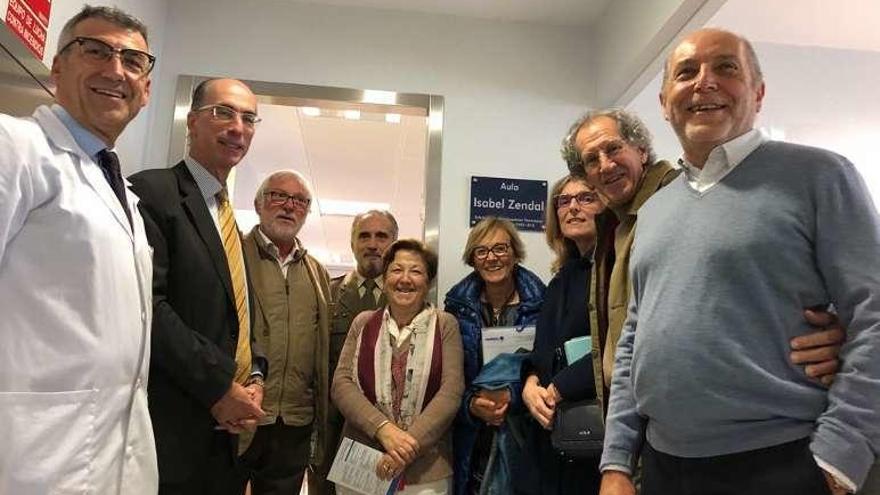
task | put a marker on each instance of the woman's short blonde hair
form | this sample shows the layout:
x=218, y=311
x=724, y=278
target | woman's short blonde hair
x=486, y=227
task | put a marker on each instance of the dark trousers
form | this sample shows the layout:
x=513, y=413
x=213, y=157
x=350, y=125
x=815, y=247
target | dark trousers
x=276, y=459
x=786, y=469
x=212, y=474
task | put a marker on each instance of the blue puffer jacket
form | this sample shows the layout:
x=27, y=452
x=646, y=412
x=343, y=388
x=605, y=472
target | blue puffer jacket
x=463, y=302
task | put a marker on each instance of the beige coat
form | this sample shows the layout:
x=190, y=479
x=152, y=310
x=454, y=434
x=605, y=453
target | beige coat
x=431, y=428
x=302, y=403
x=610, y=285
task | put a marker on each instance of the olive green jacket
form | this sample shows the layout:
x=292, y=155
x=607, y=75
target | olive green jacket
x=298, y=396
x=610, y=284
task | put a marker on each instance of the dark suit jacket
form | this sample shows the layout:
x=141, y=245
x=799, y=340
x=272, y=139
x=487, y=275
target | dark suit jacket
x=195, y=326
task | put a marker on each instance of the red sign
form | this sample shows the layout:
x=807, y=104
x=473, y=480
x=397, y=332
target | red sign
x=29, y=20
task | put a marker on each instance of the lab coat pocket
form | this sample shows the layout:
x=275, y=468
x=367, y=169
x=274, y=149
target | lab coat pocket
x=48, y=442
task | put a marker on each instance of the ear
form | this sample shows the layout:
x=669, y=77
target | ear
x=759, y=97
x=56, y=69
x=662, y=96
x=147, y=91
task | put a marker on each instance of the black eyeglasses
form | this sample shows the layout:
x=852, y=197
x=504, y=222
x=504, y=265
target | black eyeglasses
x=611, y=150
x=134, y=62
x=279, y=198
x=499, y=250
x=225, y=113
x=583, y=198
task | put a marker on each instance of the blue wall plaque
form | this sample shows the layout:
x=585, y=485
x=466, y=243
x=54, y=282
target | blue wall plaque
x=519, y=200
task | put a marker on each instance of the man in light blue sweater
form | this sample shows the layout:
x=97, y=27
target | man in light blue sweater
x=724, y=258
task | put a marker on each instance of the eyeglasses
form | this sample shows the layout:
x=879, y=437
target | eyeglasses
x=278, y=198
x=499, y=250
x=583, y=198
x=611, y=150
x=134, y=62
x=225, y=113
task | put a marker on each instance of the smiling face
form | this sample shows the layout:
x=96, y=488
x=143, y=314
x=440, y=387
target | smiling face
x=406, y=282
x=494, y=268
x=101, y=96
x=216, y=144
x=576, y=220
x=712, y=93
x=281, y=223
x=612, y=166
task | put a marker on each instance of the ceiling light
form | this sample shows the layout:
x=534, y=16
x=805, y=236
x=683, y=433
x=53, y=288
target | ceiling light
x=311, y=111
x=392, y=118
x=352, y=114
x=380, y=97
x=346, y=208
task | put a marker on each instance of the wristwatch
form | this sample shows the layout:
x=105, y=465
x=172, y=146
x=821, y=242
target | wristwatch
x=255, y=380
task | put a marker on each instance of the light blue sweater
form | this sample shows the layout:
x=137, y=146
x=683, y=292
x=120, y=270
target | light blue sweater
x=720, y=281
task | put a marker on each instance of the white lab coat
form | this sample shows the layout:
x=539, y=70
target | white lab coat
x=75, y=311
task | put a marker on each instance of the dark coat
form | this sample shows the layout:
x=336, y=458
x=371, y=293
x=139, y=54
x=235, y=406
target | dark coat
x=195, y=325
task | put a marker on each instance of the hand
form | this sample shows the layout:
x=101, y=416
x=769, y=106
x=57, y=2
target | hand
x=236, y=410
x=255, y=390
x=833, y=487
x=489, y=411
x=400, y=445
x=819, y=350
x=616, y=483
x=387, y=468
x=539, y=401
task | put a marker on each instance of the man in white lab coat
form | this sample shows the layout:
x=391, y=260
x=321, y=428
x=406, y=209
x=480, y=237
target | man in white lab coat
x=75, y=276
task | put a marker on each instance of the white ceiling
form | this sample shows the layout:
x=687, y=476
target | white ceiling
x=845, y=24
x=580, y=13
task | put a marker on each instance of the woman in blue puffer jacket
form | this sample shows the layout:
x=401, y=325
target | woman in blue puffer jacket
x=487, y=440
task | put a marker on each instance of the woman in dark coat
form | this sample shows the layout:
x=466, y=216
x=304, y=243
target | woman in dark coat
x=550, y=380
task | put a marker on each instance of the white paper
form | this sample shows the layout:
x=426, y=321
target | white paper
x=354, y=467
x=497, y=340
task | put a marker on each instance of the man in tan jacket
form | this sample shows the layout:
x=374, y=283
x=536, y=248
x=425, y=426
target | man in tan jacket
x=291, y=291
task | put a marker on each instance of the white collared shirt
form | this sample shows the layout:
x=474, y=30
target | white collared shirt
x=721, y=161
x=273, y=250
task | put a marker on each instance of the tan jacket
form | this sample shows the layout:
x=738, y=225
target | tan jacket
x=610, y=285
x=299, y=396
x=431, y=428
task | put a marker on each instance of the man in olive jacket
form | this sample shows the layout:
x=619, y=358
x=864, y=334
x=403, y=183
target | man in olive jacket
x=292, y=323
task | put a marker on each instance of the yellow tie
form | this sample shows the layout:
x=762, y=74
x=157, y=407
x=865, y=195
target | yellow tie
x=232, y=246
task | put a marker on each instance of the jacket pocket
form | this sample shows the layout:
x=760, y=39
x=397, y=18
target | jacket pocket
x=48, y=442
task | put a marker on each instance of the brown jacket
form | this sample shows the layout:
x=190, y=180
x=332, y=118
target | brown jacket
x=431, y=428
x=299, y=396
x=610, y=285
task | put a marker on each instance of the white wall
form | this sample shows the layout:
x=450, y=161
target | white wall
x=511, y=90
x=132, y=144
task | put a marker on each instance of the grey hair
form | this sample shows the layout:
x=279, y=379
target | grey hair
x=112, y=15
x=382, y=213
x=631, y=128
x=258, y=196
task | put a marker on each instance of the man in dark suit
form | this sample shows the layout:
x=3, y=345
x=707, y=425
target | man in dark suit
x=205, y=379
x=356, y=291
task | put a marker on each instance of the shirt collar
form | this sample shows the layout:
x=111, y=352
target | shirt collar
x=208, y=185
x=84, y=138
x=360, y=279
x=724, y=157
x=273, y=249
